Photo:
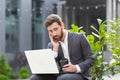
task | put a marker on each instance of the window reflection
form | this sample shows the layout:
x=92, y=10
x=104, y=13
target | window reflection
x=12, y=26
x=37, y=24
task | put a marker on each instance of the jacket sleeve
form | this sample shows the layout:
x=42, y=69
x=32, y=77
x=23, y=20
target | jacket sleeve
x=87, y=54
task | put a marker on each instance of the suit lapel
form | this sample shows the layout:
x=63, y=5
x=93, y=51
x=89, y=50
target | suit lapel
x=69, y=42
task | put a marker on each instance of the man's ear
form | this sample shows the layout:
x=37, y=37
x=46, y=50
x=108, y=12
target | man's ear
x=62, y=25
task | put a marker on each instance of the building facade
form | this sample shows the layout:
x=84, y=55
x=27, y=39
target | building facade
x=21, y=24
x=86, y=12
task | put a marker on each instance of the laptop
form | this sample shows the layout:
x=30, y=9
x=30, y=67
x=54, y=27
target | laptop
x=41, y=61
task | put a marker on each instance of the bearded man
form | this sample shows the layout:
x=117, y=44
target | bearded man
x=71, y=46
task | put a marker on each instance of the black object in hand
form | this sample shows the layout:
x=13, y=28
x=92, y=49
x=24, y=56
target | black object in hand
x=63, y=62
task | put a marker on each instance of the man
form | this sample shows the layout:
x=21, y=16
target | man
x=71, y=46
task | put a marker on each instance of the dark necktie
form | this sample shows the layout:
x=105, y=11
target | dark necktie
x=61, y=60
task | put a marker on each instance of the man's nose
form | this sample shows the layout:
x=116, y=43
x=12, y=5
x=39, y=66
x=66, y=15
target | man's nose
x=54, y=33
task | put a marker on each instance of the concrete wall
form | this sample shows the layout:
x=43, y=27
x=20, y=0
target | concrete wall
x=2, y=26
x=25, y=25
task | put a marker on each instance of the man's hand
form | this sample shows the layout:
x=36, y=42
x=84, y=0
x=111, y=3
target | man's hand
x=54, y=43
x=69, y=68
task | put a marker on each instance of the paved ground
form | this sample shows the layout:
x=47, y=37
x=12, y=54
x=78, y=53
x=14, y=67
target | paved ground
x=115, y=77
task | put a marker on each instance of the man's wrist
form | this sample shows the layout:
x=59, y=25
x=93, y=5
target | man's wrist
x=78, y=69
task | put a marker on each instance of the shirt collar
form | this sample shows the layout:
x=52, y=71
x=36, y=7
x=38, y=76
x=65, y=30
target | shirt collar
x=66, y=36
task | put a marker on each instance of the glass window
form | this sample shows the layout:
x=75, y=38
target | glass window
x=37, y=24
x=12, y=26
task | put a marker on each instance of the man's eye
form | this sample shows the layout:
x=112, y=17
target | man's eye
x=50, y=31
x=55, y=29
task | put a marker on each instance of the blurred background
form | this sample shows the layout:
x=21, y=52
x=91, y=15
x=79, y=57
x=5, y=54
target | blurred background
x=21, y=22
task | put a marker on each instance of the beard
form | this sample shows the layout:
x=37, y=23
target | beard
x=57, y=38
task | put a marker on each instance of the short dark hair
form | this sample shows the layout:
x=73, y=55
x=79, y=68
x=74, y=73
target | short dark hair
x=51, y=19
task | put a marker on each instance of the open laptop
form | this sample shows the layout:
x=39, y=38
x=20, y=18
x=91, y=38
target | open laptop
x=41, y=61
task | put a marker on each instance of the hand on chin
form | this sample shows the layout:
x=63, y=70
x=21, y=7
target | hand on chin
x=55, y=40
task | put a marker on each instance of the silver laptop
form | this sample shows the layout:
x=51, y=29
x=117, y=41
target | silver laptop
x=41, y=61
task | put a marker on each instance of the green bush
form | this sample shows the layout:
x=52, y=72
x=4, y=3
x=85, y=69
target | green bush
x=5, y=69
x=13, y=75
x=107, y=34
x=23, y=74
x=3, y=77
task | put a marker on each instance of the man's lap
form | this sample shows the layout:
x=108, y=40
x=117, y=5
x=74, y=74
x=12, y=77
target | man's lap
x=70, y=76
x=66, y=76
x=43, y=77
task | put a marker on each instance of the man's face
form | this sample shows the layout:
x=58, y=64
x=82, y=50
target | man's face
x=55, y=31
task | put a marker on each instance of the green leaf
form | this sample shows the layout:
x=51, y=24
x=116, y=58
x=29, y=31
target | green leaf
x=96, y=35
x=94, y=29
x=99, y=21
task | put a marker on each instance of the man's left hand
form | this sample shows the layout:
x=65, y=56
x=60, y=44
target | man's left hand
x=69, y=68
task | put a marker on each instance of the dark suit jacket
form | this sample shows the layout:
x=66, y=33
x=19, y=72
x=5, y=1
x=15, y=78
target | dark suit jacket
x=80, y=52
